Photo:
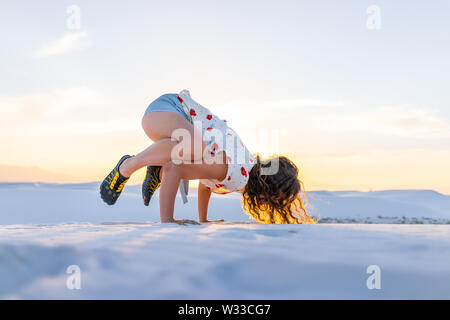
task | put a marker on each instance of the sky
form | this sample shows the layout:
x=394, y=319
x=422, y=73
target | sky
x=355, y=92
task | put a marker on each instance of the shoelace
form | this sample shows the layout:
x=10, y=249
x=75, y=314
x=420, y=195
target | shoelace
x=154, y=182
x=117, y=180
x=122, y=184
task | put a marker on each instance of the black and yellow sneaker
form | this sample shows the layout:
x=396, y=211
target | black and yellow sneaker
x=151, y=183
x=113, y=184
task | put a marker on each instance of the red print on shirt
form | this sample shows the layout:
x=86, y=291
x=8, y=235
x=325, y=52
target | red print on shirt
x=229, y=159
x=229, y=178
x=209, y=117
x=214, y=146
x=181, y=100
x=192, y=112
x=244, y=173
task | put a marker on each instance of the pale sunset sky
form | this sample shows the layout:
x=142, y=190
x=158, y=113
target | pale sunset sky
x=357, y=107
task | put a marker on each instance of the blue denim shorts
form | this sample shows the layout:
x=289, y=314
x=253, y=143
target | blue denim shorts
x=167, y=103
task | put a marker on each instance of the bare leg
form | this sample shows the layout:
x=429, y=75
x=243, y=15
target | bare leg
x=159, y=127
x=157, y=154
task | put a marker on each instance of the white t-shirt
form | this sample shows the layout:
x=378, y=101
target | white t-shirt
x=219, y=137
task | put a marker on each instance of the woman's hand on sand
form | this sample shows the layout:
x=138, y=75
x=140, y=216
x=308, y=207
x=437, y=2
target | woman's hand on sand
x=208, y=221
x=182, y=222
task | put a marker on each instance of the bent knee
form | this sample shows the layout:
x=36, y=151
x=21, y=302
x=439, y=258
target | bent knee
x=196, y=153
x=188, y=151
x=171, y=168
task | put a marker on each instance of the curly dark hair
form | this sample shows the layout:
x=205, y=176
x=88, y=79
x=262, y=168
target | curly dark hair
x=275, y=198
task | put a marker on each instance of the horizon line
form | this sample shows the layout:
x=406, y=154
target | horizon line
x=195, y=187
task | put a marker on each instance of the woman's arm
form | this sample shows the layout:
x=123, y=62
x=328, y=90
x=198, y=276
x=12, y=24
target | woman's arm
x=204, y=194
x=171, y=175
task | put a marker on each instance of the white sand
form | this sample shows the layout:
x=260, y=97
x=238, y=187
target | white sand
x=225, y=261
x=232, y=260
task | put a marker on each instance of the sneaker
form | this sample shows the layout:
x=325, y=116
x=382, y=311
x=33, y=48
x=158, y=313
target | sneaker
x=151, y=183
x=113, y=184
